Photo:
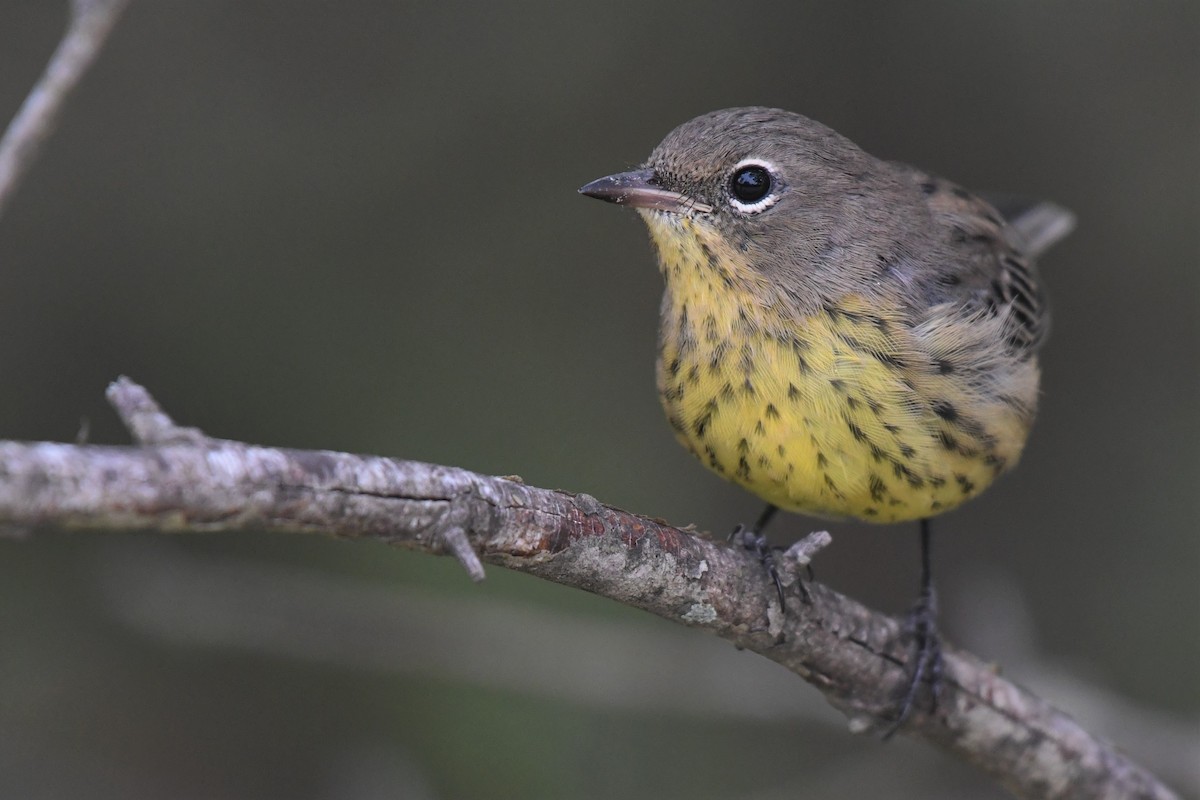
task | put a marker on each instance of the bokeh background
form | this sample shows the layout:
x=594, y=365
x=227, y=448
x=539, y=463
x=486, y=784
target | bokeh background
x=354, y=226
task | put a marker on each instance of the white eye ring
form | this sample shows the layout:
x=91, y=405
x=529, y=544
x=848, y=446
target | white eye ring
x=770, y=198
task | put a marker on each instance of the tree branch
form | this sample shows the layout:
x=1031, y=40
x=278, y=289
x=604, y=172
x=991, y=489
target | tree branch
x=178, y=480
x=88, y=28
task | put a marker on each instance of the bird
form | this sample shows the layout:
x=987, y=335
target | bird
x=844, y=336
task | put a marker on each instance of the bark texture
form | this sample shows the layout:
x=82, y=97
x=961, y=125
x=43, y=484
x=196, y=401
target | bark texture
x=178, y=480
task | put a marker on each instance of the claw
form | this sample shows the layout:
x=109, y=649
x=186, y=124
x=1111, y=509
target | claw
x=927, y=661
x=752, y=539
x=757, y=543
x=921, y=624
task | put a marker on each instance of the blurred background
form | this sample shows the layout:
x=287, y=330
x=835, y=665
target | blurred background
x=354, y=226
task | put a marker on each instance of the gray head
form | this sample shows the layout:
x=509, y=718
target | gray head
x=804, y=204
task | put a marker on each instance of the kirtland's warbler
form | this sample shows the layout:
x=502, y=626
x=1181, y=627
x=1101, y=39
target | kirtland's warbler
x=841, y=335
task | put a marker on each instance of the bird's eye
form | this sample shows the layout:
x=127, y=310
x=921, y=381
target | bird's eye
x=751, y=184
x=752, y=187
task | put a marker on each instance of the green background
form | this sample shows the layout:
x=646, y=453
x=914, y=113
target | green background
x=354, y=226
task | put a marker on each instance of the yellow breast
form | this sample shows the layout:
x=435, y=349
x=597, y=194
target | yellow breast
x=853, y=410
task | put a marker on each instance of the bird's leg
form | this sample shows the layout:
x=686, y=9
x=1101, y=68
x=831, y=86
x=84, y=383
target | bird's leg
x=755, y=541
x=921, y=623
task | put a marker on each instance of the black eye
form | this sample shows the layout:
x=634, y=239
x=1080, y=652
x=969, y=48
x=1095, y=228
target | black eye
x=751, y=183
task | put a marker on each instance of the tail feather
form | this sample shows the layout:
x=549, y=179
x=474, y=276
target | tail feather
x=1040, y=224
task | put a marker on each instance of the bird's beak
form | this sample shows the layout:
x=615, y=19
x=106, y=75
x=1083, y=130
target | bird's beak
x=639, y=189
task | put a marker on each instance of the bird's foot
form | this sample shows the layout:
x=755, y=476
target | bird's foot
x=926, y=664
x=757, y=543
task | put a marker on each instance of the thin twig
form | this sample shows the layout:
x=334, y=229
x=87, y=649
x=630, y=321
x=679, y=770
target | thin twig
x=88, y=28
x=855, y=656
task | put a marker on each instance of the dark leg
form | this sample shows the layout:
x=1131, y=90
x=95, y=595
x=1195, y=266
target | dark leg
x=922, y=624
x=753, y=540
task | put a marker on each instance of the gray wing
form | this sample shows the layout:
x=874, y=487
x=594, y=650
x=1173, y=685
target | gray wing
x=994, y=247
